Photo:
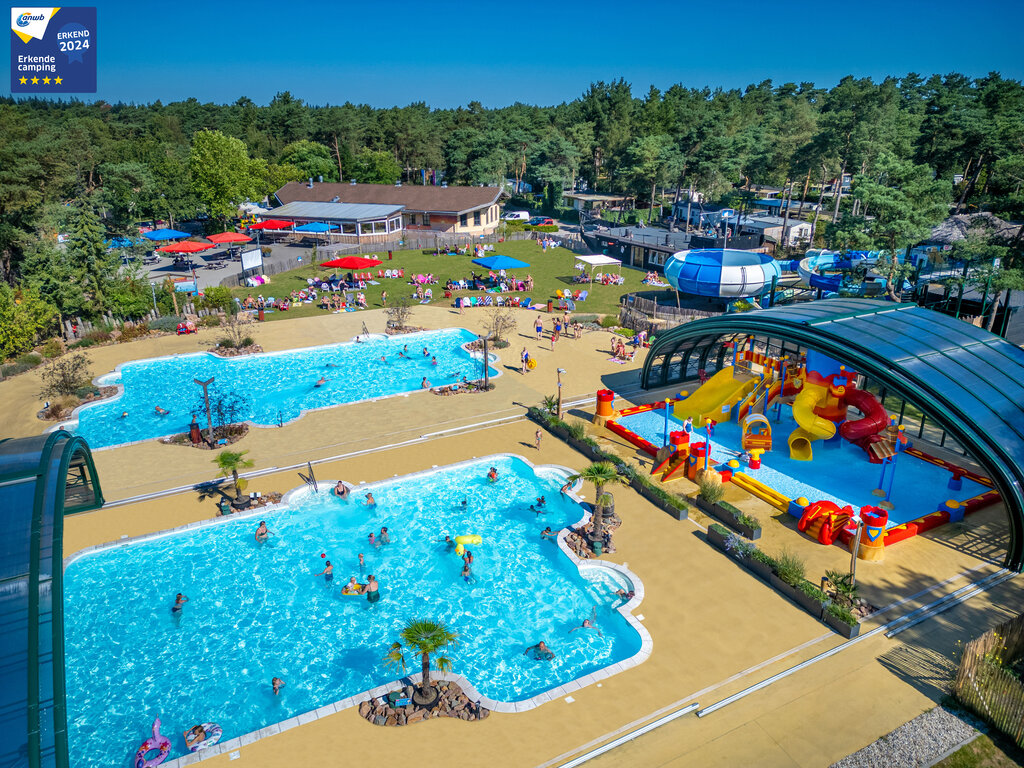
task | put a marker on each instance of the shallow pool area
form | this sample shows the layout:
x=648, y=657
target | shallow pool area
x=839, y=471
x=258, y=611
x=271, y=388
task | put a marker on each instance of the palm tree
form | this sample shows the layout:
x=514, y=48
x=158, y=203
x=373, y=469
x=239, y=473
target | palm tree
x=600, y=474
x=423, y=637
x=230, y=462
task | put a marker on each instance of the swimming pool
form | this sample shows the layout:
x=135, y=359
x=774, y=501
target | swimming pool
x=259, y=611
x=839, y=472
x=270, y=388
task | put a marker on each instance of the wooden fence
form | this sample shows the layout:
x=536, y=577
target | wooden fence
x=640, y=314
x=986, y=685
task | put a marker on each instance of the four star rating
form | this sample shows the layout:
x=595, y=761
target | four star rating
x=46, y=81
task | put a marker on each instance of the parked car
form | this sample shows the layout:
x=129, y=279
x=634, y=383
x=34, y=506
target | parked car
x=516, y=216
x=542, y=221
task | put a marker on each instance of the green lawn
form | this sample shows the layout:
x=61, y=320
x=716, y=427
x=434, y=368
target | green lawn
x=985, y=752
x=551, y=270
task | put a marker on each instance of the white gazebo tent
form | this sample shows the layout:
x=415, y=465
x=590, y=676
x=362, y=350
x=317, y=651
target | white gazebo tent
x=598, y=261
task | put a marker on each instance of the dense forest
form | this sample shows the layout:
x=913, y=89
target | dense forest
x=94, y=170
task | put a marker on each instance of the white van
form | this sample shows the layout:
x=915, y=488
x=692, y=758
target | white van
x=516, y=216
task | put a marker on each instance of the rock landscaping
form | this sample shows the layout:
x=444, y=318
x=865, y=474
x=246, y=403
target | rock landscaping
x=397, y=708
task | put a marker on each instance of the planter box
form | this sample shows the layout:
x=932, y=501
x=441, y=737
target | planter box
x=727, y=518
x=842, y=627
x=808, y=603
x=761, y=569
x=647, y=493
x=716, y=538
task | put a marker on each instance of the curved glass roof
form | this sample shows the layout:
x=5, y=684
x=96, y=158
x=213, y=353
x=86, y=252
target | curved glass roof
x=969, y=380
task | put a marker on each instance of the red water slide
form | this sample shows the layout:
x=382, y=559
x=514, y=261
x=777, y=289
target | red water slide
x=864, y=431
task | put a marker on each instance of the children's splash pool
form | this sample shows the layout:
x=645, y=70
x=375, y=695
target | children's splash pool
x=839, y=472
x=260, y=611
x=271, y=388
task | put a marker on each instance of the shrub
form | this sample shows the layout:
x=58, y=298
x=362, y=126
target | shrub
x=720, y=529
x=226, y=342
x=577, y=431
x=591, y=442
x=65, y=375
x=168, y=323
x=843, y=613
x=82, y=344
x=133, y=332
x=53, y=348
x=763, y=557
x=584, y=318
x=98, y=335
x=748, y=520
x=15, y=368
x=844, y=585
x=812, y=591
x=210, y=321
x=609, y=321
x=31, y=359
x=790, y=568
x=247, y=341
x=710, y=490
x=83, y=392
x=738, y=547
x=61, y=407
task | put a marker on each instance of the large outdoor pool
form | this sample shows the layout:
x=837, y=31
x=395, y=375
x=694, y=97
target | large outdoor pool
x=271, y=388
x=839, y=472
x=260, y=611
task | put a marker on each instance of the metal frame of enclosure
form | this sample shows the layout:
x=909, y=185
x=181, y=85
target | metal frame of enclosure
x=41, y=479
x=968, y=381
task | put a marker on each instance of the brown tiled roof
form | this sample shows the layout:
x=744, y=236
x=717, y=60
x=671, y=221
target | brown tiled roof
x=414, y=198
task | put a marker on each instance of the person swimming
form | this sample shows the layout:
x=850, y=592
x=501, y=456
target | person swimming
x=424, y=384
x=539, y=652
x=372, y=538
x=589, y=623
x=370, y=501
x=160, y=411
x=124, y=414
x=449, y=545
x=321, y=382
x=277, y=684
x=384, y=537
x=341, y=490
x=541, y=501
x=327, y=572
x=372, y=590
x=492, y=474
x=426, y=352
x=467, y=573
x=262, y=532
x=433, y=361
x=547, y=533
x=179, y=602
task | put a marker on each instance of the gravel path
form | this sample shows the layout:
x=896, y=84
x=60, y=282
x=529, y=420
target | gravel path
x=916, y=744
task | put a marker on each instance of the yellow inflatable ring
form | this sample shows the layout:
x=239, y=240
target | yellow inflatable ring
x=531, y=364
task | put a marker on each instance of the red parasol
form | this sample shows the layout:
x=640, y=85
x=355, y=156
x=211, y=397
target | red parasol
x=272, y=224
x=188, y=246
x=229, y=237
x=352, y=262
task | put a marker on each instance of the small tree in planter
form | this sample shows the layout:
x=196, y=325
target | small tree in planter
x=499, y=323
x=398, y=313
x=230, y=462
x=600, y=474
x=65, y=375
x=710, y=489
x=423, y=637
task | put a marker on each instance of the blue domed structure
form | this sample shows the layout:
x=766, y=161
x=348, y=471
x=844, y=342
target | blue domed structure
x=721, y=272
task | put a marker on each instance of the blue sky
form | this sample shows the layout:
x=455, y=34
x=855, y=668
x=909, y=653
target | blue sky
x=448, y=53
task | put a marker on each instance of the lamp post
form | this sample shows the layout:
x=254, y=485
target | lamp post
x=854, y=550
x=558, y=410
x=206, y=397
x=487, y=372
x=152, y=287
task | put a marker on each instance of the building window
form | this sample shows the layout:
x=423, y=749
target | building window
x=348, y=229
x=426, y=219
x=412, y=219
x=463, y=219
x=476, y=218
x=396, y=225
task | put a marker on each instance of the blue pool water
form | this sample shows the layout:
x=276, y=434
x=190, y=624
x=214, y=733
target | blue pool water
x=259, y=611
x=274, y=387
x=839, y=471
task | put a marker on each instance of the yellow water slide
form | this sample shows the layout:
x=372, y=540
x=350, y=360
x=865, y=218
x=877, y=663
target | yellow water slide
x=722, y=389
x=812, y=427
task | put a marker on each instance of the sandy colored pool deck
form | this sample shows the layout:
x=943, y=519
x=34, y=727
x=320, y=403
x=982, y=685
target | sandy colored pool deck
x=716, y=629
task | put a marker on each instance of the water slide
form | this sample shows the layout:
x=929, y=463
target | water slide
x=812, y=427
x=724, y=388
x=864, y=431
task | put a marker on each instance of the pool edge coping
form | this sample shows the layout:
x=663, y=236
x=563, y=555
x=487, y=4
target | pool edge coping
x=504, y=707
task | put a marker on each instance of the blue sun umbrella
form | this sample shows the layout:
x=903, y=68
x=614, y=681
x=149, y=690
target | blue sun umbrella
x=500, y=262
x=314, y=226
x=165, y=234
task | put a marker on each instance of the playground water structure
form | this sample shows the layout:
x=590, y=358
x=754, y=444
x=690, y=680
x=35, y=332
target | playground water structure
x=834, y=462
x=722, y=272
x=824, y=270
x=271, y=388
x=258, y=611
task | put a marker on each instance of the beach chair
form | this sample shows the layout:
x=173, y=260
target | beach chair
x=500, y=301
x=475, y=301
x=387, y=273
x=576, y=295
x=558, y=294
x=582, y=296
x=380, y=273
x=570, y=304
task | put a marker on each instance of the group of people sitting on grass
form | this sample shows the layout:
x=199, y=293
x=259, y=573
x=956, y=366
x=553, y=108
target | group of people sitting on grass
x=653, y=278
